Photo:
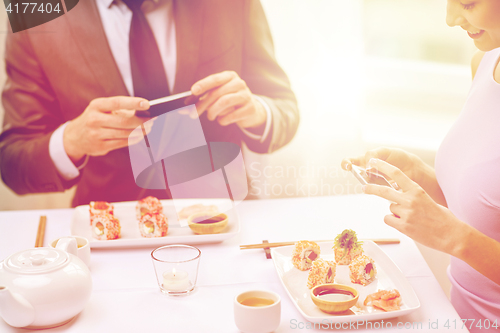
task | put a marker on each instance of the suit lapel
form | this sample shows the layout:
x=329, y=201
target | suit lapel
x=188, y=15
x=88, y=32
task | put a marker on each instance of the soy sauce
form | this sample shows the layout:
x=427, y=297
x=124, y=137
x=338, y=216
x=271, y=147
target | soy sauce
x=336, y=295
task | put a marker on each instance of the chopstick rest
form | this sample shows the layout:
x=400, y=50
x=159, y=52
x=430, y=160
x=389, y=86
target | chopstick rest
x=266, y=249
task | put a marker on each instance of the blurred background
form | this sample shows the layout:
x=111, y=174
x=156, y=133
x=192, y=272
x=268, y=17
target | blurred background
x=366, y=73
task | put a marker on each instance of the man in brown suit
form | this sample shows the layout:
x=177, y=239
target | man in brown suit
x=70, y=71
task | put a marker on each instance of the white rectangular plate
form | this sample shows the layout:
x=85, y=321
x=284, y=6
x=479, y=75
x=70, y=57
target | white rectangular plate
x=131, y=236
x=389, y=276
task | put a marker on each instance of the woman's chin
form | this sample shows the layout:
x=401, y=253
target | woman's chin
x=486, y=46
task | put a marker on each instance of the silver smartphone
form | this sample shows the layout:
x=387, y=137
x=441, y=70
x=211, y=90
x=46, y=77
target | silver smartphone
x=367, y=177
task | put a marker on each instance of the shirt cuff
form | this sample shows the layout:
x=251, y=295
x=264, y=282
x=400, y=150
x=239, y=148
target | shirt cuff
x=63, y=163
x=264, y=135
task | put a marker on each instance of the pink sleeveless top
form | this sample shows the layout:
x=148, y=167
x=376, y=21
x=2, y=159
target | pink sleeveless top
x=468, y=171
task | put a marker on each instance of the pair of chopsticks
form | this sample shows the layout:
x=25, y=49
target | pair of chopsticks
x=379, y=241
x=41, y=231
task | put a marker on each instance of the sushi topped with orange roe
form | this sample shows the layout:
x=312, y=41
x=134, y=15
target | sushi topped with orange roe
x=153, y=225
x=100, y=208
x=148, y=205
x=105, y=227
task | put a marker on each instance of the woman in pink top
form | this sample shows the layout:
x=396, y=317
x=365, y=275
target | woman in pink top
x=455, y=208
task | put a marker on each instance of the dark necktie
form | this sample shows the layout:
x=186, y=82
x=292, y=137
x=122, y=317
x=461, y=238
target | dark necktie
x=148, y=74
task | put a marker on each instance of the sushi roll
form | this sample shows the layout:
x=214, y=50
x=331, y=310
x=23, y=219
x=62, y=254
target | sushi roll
x=362, y=270
x=100, y=208
x=347, y=247
x=153, y=225
x=105, y=227
x=345, y=259
x=322, y=271
x=148, y=205
x=304, y=253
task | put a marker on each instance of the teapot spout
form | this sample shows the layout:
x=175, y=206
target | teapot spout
x=15, y=309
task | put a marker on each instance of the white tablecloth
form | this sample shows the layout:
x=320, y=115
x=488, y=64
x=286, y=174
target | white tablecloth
x=126, y=297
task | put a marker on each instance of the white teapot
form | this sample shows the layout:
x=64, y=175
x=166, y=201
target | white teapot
x=44, y=287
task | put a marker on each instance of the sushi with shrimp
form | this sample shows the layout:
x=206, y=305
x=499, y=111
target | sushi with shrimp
x=362, y=270
x=322, y=272
x=148, y=205
x=347, y=247
x=153, y=225
x=304, y=253
x=105, y=227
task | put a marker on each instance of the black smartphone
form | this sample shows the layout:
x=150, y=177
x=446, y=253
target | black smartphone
x=166, y=104
x=367, y=177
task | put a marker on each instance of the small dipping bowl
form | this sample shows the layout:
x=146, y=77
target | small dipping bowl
x=203, y=223
x=330, y=306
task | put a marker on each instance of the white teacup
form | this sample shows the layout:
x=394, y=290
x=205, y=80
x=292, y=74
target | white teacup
x=257, y=316
x=83, y=246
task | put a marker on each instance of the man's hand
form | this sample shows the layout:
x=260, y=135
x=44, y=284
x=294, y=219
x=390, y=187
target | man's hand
x=226, y=97
x=105, y=125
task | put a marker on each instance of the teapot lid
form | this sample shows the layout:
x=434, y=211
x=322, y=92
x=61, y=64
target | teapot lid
x=36, y=261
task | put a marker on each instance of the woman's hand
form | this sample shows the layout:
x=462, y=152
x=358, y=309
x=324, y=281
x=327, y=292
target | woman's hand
x=409, y=164
x=406, y=162
x=415, y=213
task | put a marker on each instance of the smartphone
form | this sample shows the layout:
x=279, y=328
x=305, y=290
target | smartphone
x=166, y=104
x=367, y=177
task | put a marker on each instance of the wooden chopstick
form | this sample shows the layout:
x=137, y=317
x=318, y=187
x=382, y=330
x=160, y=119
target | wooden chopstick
x=41, y=231
x=379, y=241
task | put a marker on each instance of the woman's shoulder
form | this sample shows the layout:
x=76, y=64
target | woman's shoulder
x=484, y=59
x=476, y=60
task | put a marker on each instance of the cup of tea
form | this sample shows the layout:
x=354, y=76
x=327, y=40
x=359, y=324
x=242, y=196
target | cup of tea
x=82, y=243
x=257, y=311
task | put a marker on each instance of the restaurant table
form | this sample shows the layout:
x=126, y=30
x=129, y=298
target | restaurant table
x=126, y=296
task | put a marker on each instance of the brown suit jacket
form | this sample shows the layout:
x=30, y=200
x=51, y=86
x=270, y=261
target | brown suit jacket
x=56, y=69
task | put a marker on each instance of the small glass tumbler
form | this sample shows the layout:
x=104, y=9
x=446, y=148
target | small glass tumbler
x=176, y=268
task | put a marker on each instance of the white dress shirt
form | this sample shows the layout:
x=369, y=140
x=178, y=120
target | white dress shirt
x=116, y=19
